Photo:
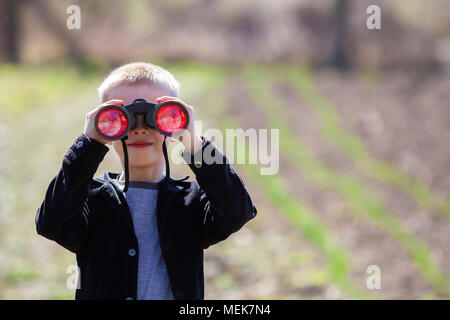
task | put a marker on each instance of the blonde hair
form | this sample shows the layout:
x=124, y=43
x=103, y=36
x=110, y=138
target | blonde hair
x=138, y=72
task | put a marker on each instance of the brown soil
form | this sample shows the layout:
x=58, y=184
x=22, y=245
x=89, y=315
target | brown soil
x=367, y=243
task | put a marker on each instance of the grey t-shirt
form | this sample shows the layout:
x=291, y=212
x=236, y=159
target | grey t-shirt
x=153, y=280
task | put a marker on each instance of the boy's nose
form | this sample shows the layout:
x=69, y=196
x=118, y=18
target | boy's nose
x=140, y=127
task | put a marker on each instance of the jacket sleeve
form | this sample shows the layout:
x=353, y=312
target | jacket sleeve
x=64, y=215
x=225, y=203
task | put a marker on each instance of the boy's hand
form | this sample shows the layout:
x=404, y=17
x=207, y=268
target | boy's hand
x=190, y=138
x=89, y=128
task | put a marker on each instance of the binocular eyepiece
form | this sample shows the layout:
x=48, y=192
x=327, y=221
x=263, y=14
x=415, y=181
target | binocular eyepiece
x=169, y=118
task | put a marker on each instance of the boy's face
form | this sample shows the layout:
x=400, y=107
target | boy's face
x=148, y=155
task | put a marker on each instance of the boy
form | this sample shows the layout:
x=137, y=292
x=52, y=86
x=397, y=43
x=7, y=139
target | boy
x=147, y=242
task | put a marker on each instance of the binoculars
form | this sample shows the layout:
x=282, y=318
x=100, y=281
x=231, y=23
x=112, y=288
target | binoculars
x=168, y=118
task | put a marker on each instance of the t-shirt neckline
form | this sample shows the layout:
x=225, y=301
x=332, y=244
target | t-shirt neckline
x=139, y=184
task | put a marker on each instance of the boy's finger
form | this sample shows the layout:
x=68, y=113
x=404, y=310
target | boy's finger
x=109, y=103
x=167, y=98
x=112, y=102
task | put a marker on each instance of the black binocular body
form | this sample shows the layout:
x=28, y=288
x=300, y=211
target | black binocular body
x=169, y=118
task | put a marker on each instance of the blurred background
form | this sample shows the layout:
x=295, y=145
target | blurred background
x=363, y=117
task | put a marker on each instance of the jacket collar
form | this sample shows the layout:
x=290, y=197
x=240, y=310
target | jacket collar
x=113, y=193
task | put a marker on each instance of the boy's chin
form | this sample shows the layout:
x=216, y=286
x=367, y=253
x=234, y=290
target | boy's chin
x=144, y=162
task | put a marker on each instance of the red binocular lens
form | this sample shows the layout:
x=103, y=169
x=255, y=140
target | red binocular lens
x=169, y=118
x=112, y=122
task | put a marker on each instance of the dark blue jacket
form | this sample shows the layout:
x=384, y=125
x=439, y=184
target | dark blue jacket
x=90, y=217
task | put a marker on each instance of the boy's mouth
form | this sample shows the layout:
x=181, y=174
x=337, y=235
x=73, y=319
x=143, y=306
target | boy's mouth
x=140, y=144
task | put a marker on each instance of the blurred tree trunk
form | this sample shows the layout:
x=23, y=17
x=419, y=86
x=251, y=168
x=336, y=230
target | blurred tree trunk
x=341, y=21
x=9, y=34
